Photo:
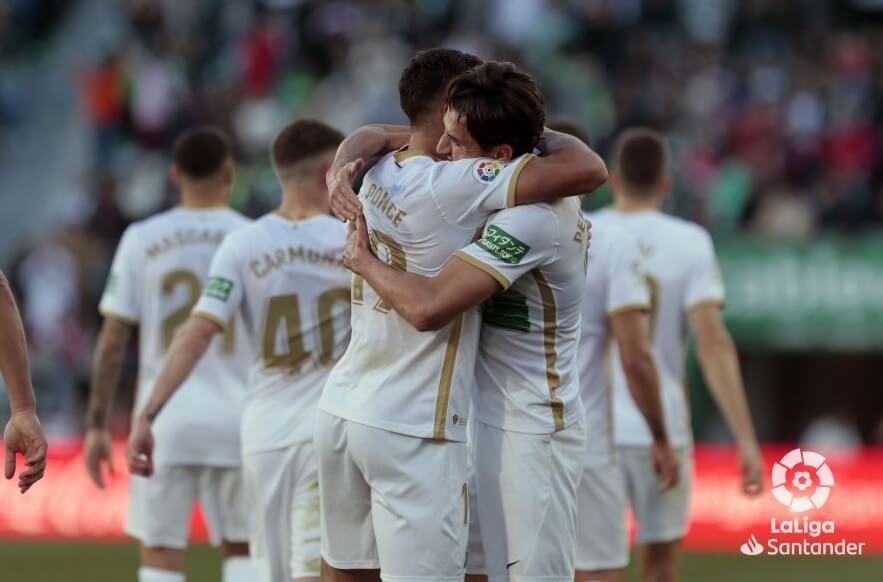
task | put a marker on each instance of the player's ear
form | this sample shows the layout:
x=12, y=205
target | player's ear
x=665, y=185
x=175, y=176
x=503, y=153
x=229, y=172
x=613, y=181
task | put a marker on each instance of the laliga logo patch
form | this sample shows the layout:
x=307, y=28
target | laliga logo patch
x=487, y=171
x=802, y=481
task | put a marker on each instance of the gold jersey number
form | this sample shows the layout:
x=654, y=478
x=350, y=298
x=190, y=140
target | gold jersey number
x=285, y=310
x=395, y=258
x=190, y=281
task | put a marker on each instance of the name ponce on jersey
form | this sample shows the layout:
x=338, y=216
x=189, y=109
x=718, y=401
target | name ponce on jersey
x=379, y=198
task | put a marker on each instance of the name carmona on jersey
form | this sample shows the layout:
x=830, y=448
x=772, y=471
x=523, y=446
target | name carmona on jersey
x=282, y=256
x=379, y=198
x=179, y=238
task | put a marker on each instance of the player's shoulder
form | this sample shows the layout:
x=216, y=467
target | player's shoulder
x=690, y=235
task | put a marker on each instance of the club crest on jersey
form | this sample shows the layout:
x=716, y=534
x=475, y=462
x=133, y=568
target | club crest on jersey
x=486, y=171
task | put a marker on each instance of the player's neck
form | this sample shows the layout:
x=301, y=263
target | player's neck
x=423, y=141
x=300, y=205
x=636, y=204
x=201, y=202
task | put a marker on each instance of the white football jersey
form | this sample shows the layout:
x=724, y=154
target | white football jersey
x=526, y=374
x=680, y=267
x=419, y=212
x=288, y=281
x=614, y=284
x=155, y=280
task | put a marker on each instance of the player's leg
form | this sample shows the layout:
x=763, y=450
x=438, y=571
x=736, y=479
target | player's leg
x=304, y=540
x=419, y=503
x=349, y=550
x=602, y=550
x=528, y=487
x=662, y=517
x=269, y=488
x=159, y=517
x=223, y=501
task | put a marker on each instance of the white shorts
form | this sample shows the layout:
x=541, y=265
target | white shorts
x=391, y=501
x=283, y=492
x=661, y=517
x=527, y=486
x=160, y=505
x=601, y=535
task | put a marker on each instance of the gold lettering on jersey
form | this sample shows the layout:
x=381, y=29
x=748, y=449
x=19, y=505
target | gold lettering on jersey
x=284, y=256
x=379, y=198
x=180, y=238
x=582, y=229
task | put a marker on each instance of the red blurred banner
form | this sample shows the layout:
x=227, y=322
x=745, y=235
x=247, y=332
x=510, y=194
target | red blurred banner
x=67, y=505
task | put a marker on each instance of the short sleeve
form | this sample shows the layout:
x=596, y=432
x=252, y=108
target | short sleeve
x=122, y=294
x=705, y=284
x=466, y=192
x=222, y=293
x=627, y=288
x=514, y=242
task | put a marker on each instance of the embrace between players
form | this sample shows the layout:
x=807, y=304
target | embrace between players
x=479, y=397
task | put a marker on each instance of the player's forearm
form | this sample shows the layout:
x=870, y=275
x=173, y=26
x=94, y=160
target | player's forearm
x=107, y=365
x=585, y=169
x=370, y=141
x=643, y=383
x=720, y=365
x=411, y=296
x=14, y=353
x=186, y=351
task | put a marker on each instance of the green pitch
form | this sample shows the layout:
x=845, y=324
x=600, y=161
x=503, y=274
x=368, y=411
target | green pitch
x=90, y=562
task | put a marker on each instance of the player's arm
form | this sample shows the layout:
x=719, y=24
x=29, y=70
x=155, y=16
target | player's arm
x=107, y=363
x=427, y=303
x=367, y=142
x=719, y=361
x=187, y=349
x=23, y=433
x=568, y=167
x=630, y=333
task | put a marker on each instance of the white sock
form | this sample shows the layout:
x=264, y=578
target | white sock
x=238, y=569
x=157, y=575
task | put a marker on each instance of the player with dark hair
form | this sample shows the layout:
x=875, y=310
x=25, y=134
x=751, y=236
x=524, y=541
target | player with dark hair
x=155, y=280
x=529, y=434
x=685, y=287
x=23, y=434
x=284, y=274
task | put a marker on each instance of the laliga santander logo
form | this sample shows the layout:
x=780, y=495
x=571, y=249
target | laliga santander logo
x=487, y=170
x=802, y=480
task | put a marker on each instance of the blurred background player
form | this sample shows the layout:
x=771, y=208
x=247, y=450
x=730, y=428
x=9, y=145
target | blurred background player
x=528, y=272
x=284, y=273
x=155, y=281
x=615, y=303
x=23, y=434
x=679, y=264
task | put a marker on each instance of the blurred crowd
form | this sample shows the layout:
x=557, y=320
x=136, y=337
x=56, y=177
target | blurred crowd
x=772, y=107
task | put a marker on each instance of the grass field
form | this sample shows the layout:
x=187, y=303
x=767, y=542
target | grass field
x=90, y=562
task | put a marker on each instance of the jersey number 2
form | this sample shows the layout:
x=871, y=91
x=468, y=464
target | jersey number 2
x=176, y=318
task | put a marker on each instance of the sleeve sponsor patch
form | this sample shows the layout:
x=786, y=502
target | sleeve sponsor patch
x=503, y=245
x=486, y=171
x=218, y=288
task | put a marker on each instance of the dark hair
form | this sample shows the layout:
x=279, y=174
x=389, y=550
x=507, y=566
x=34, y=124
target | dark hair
x=641, y=158
x=570, y=128
x=303, y=139
x=500, y=104
x=201, y=152
x=423, y=82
